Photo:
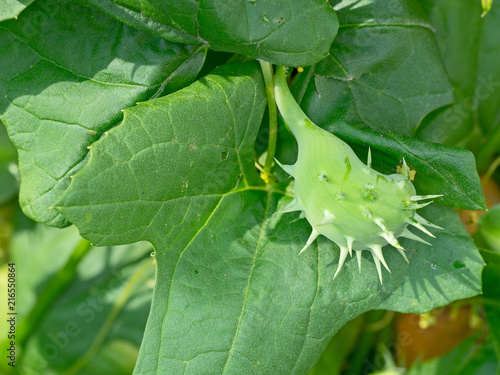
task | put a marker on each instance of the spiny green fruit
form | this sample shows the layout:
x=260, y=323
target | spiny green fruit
x=344, y=199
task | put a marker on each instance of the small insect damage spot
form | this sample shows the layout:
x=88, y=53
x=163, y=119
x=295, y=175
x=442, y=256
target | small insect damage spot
x=224, y=155
x=193, y=146
x=341, y=196
x=184, y=186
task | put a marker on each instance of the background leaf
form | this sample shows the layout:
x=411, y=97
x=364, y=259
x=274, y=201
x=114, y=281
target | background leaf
x=471, y=51
x=294, y=32
x=56, y=100
x=98, y=301
x=383, y=69
x=488, y=234
x=232, y=295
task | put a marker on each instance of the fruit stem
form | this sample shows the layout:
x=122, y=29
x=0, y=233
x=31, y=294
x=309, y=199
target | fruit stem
x=267, y=72
x=291, y=112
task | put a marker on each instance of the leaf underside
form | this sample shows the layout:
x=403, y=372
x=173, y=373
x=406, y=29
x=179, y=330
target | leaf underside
x=383, y=75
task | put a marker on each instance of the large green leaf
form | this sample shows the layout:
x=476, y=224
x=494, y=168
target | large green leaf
x=334, y=357
x=64, y=80
x=104, y=308
x=232, y=295
x=182, y=151
x=383, y=69
x=383, y=76
x=12, y=8
x=471, y=51
x=294, y=32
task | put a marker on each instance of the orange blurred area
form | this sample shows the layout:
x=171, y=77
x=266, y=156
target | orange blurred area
x=470, y=218
x=422, y=337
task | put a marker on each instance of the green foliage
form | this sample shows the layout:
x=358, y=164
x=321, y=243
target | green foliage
x=253, y=266
x=383, y=70
x=295, y=32
x=12, y=8
x=489, y=228
x=470, y=54
x=102, y=307
x=124, y=129
x=55, y=102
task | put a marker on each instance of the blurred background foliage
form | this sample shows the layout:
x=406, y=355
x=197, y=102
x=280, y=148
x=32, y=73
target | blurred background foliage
x=81, y=309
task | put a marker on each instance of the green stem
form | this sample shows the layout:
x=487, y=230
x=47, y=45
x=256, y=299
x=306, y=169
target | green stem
x=267, y=71
x=50, y=293
x=290, y=110
x=491, y=146
x=382, y=323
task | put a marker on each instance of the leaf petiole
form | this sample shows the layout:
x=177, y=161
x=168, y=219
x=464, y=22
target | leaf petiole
x=267, y=71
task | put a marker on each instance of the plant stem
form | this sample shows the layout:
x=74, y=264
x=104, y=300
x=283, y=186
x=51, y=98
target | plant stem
x=488, y=149
x=51, y=292
x=267, y=71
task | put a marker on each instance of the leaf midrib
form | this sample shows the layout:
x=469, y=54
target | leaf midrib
x=270, y=190
x=245, y=294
